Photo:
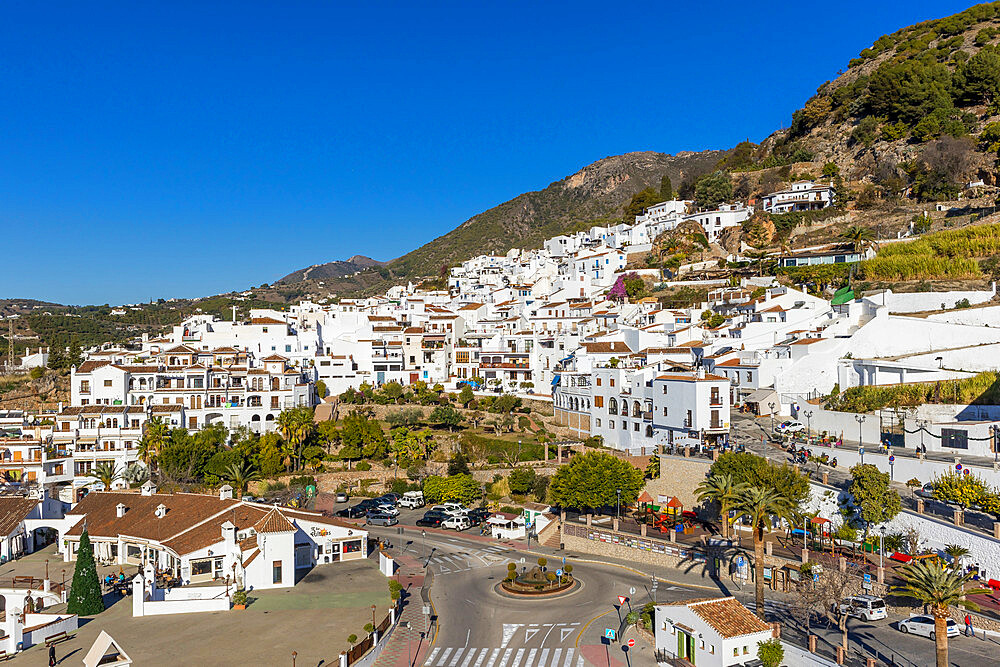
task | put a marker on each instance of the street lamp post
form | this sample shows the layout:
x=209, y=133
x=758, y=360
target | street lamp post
x=771, y=406
x=861, y=450
x=409, y=658
x=618, y=503
x=809, y=422
x=880, y=538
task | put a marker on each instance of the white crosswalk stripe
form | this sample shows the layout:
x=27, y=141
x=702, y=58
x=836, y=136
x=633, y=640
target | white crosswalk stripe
x=499, y=657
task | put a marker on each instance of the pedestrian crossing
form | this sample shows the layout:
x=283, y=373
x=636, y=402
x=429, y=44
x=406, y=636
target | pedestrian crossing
x=465, y=561
x=500, y=657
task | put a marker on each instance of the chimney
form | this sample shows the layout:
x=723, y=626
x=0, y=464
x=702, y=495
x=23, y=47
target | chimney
x=229, y=534
x=161, y=511
x=120, y=510
x=148, y=488
x=701, y=372
x=226, y=492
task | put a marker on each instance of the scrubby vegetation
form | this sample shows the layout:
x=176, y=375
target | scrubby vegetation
x=982, y=389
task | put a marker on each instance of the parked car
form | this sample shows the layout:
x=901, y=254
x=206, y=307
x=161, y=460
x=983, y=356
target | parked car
x=924, y=626
x=380, y=519
x=412, y=499
x=342, y=497
x=478, y=515
x=451, y=509
x=354, y=511
x=391, y=497
x=926, y=491
x=386, y=508
x=457, y=523
x=431, y=520
x=791, y=426
x=865, y=607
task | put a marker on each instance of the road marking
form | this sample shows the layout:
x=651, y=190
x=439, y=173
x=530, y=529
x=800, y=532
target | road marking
x=517, y=657
x=579, y=661
x=469, y=656
x=446, y=558
x=542, y=657
x=584, y=628
x=430, y=658
x=569, y=657
x=444, y=656
x=564, y=632
x=529, y=633
x=506, y=657
x=555, y=657
x=493, y=658
x=508, y=631
x=468, y=632
x=456, y=655
x=531, y=657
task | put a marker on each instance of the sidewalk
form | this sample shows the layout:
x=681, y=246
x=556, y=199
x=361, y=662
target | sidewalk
x=406, y=646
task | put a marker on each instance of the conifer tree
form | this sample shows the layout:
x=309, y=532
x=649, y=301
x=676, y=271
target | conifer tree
x=85, y=594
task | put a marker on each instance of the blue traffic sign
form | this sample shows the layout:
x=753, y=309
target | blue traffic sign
x=861, y=450
x=559, y=572
x=868, y=578
x=891, y=458
x=609, y=633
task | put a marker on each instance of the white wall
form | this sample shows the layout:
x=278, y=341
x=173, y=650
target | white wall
x=913, y=302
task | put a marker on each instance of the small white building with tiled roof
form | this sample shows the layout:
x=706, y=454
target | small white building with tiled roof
x=708, y=632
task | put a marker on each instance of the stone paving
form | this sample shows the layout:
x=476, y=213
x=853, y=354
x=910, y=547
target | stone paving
x=406, y=646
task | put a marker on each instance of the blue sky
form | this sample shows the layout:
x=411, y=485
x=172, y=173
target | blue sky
x=187, y=149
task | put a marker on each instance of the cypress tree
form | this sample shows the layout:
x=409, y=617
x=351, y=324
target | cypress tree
x=85, y=594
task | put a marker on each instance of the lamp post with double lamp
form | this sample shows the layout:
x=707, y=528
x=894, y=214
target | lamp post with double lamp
x=881, y=536
x=618, y=503
x=809, y=422
x=861, y=450
x=771, y=406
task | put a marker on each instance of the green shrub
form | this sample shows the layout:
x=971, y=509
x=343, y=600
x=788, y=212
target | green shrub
x=363, y=466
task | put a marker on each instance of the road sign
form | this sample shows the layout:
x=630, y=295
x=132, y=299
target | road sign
x=427, y=610
x=622, y=599
x=967, y=471
x=564, y=560
x=609, y=633
x=631, y=591
x=958, y=466
x=868, y=578
x=861, y=450
x=891, y=458
x=559, y=572
x=631, y=643
x=740, y=561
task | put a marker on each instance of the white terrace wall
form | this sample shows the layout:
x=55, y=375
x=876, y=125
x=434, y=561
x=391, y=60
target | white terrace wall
x=888, y=336
x=935, y=533
x=51, y=624
x=988, y=316
x=914, y=302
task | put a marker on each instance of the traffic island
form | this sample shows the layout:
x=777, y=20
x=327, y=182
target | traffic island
x=537, y=582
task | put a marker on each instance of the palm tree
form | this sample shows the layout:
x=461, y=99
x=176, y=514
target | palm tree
x=153, y=438
x=858, y=235
x=106, y=473
x=761, y=506
x=295, y=425
x=721, y=489
x=939, y=588
x=956, y=552
x=240, y=475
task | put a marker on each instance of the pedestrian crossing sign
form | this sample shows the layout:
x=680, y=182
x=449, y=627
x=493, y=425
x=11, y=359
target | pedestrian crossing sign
x=609, y=633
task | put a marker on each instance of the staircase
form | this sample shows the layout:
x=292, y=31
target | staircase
x=549, y=536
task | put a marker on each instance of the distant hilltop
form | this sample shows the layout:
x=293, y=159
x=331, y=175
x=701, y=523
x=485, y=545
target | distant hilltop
x=338, y=269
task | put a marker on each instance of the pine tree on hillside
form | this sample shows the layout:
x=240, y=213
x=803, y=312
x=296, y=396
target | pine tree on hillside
x=85, y=594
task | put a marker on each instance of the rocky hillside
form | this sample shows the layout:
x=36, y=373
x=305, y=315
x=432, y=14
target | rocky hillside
x=595, y=194
x=338, y=269
x=936, y=84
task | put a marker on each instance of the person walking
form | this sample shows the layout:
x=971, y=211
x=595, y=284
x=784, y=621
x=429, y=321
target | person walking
x=969, y=631
x=52, y=656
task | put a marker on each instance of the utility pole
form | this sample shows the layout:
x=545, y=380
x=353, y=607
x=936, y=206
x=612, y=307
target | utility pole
x=10, y=343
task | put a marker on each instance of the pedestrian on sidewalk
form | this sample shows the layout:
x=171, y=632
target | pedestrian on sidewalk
x=52, y=656
x=969, y=631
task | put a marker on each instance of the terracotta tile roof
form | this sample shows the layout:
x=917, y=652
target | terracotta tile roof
x=181, y=349
x=694, y=378
x=727, y=617
x=807, y=341
x=613, y=347
x=274, y=522
x=135, y=369
x=471, y=306
x=89, y=366
x=413, y=330
x=176, y=407
x=13, y=511
x=266, y=320
x=251, y=558
x=275, y=357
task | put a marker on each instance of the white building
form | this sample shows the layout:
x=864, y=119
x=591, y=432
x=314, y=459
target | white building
x=802, y=196
x=708, y=632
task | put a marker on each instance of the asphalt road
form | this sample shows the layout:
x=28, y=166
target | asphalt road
x=477, y=627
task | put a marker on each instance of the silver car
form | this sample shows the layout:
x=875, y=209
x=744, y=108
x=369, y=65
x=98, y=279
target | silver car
x=380, y=519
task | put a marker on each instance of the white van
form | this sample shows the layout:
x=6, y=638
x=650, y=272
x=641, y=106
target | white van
x=457, y=523
x=412, y=499
x=865, y=607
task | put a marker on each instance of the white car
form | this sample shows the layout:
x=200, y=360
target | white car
x=790, y=427
x=457, y=523
x=451, y=509
x=924, y=626
x=865, y=607
x=386, y=508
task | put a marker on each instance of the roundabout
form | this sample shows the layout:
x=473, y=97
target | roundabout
x=537, y=583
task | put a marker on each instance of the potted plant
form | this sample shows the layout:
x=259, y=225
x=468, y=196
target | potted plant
x=240, y=599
